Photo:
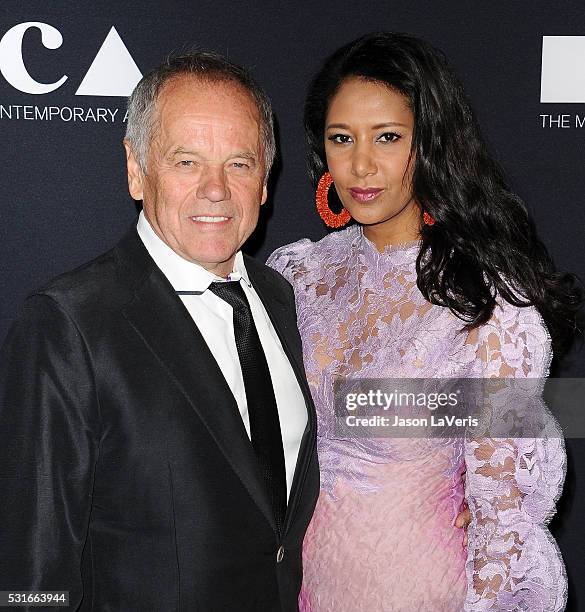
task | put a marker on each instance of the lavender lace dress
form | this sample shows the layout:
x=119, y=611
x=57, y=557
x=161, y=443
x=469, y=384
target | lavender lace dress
x=382, y=537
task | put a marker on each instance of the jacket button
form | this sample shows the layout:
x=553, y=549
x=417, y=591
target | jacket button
x=280, y=554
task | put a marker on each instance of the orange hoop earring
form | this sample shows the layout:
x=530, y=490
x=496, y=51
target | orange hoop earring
x=330, y=218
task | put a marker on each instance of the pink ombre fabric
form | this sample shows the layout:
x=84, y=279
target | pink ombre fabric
x=382, y=536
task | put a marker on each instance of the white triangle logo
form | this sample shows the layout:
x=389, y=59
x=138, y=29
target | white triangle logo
x=113, y=72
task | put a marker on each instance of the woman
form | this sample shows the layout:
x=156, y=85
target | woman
x=440, y=275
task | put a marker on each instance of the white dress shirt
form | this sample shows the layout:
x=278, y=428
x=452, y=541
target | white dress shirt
x=214, y=319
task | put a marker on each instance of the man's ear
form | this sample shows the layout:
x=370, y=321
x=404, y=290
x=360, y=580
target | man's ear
x=135, y=174
x=264, y=195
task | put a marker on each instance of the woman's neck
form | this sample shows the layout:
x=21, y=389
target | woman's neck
x=404, y=227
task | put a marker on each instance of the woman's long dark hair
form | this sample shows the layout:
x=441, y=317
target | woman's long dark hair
x=483, y=243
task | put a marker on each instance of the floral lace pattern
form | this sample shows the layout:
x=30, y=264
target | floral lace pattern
x=361, y=315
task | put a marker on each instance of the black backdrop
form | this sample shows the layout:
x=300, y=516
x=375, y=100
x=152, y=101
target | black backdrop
x=64, y=197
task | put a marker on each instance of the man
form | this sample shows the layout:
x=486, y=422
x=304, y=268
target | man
x=157, y=448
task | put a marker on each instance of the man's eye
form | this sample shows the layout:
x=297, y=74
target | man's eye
x=186, y=163
x=339, y=138
x=389, y=137
x=240, y=165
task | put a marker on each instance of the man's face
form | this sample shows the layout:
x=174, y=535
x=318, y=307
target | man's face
x=204, y=180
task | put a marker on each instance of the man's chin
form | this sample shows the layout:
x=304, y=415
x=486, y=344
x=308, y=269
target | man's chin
x=220, y=264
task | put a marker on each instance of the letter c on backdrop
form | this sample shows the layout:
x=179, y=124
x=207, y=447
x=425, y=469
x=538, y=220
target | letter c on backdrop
x=12, y=63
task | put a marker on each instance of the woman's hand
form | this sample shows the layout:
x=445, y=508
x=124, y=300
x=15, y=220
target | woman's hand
x=462, y=521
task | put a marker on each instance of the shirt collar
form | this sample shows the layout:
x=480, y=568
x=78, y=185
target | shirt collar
x=184, y=276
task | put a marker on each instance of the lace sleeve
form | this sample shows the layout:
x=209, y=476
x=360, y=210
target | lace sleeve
x=512, y=485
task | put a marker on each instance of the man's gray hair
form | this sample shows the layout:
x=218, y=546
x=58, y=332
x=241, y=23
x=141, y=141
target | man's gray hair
x=208, y=66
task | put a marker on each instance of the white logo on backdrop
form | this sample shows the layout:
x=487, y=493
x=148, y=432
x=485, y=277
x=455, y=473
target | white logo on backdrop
x=113, y=72
x=563, y=69
x=12, y=63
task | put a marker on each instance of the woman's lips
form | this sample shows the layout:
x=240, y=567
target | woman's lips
x=365, y=195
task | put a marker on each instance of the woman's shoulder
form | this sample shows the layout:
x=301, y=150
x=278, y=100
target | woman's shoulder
x=305, y=255
x=290, y=254
x=515, y=341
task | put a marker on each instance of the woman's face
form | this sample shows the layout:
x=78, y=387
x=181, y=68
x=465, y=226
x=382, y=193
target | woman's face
x=368, y=137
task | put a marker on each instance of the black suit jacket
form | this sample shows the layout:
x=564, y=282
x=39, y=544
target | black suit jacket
x=126, y=474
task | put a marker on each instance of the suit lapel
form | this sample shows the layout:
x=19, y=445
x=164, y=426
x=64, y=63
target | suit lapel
x=164, y=324
x=279, y=312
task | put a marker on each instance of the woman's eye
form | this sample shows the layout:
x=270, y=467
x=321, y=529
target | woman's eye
x=186, y=163
x=339, y=138
x=238, y=165
x=389, y=137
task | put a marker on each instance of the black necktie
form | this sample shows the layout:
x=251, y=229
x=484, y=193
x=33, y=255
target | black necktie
x=262, y=411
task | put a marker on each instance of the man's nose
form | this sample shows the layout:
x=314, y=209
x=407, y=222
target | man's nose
x=213, y=184
x=363, y=163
